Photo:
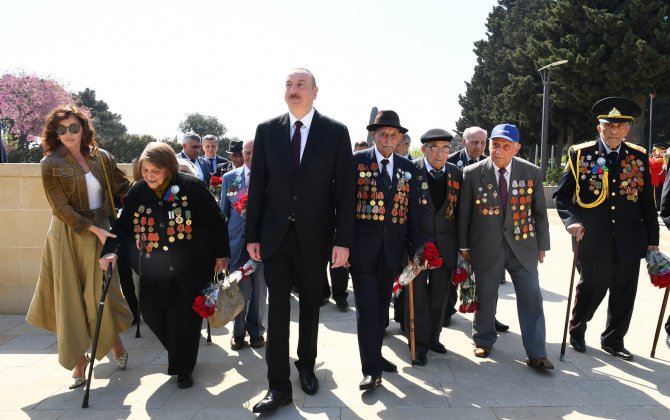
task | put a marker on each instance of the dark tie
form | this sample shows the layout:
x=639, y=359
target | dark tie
x=386, y=179
x=211, y=165
x=502, y=189
x=612, y=158
x=295, y=146
x=436, y=174
x=471, y=161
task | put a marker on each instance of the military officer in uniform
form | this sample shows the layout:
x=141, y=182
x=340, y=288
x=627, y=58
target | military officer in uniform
x=503, y=225
x=439, y=185
x=605, y=201
x=386, y=210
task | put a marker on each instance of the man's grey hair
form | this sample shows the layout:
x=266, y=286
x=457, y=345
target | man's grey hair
x=190, y=136
x=472, y=130
x=406, y=138
x=210, y=137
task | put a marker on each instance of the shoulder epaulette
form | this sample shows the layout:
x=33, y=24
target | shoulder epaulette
x=636, y=147
x=583, y=145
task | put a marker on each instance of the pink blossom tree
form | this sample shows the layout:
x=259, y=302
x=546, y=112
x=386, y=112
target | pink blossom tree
x=25, y=101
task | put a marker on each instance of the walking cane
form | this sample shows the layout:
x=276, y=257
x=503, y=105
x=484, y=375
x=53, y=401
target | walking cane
x=567, y=310
x=412, y=344
x=660, y=321
x=139, y=276
x=96, y=335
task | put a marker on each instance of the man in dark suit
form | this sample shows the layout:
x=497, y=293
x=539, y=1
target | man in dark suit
x=474, y=146
x=210, y=145
x=503, y=225
x=606, y=202
x=439, y=185
x=300, y=214
x=191, y=151
x=386, y=211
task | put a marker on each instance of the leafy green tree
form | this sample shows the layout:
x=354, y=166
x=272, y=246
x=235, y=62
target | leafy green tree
x=203, y=125
x=107, y=124
x=126, y=148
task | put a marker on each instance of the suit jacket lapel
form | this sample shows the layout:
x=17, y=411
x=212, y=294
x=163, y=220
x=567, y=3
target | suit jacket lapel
x=425, y=194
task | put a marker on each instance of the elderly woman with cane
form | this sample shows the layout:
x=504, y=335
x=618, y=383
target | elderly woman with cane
x=79, y=179
x=177, y=224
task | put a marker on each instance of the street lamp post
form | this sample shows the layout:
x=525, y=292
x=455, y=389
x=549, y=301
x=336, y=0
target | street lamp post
x=545, y=72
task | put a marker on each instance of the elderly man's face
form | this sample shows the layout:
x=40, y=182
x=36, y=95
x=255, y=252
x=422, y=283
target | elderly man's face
x=210, y=147
x=247, y=150
x=403, y=146
x=192, y=148
x=475, y=144
x=613, y=133
x=237, y=159
x=502, y=151
x=386, y=139
x=436, y=153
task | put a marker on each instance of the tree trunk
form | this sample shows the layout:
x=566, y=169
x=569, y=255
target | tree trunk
x=559, y=148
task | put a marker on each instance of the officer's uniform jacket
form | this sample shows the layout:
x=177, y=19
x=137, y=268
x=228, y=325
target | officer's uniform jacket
x=615, y=205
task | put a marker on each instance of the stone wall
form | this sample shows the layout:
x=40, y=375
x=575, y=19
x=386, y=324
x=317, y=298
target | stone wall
x=24, y=220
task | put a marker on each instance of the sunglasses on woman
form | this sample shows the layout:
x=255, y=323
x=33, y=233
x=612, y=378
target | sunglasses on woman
x=74, y=129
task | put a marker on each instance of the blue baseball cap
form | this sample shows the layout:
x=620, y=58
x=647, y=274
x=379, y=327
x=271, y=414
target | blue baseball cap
x=505, y=131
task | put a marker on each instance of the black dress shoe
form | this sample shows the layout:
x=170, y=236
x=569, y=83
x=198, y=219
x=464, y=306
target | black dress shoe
x=578, y=343
x=500, y=327
x=619, y=352
x=388, y=366
x=503, y=280
x=370, y=382
x=236, y=343
x=308, y=382
x=437, y=347
x=342, y=304
x=273, y=400
x=184, y=380
x=667, y=341
x=257, y=342
x=421, y=359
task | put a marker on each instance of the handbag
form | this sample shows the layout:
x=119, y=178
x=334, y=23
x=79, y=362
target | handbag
x=229, y=302
x=109, y=185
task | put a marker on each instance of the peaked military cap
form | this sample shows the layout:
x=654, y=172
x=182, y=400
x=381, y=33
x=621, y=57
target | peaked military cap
x=616, y=109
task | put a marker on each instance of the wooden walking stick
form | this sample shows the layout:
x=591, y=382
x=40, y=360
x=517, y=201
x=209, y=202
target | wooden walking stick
x=96, y=335
x=660, y=321
x=412, y=344
x=567, y=310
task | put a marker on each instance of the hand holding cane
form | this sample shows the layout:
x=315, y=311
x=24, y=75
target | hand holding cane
x=96, y=335
x=660, y=322
x=567, y=310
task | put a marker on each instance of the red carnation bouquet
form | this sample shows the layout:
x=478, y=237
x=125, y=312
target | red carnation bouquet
x=205, y=306
x=426, y=258
x=658, y=267
x=240, y=205
x=215, y=187
x=464, y=278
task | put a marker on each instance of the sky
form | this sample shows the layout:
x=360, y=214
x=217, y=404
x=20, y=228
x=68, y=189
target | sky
x=154, y=62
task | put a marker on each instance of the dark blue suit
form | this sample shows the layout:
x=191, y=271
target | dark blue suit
x=381, y=234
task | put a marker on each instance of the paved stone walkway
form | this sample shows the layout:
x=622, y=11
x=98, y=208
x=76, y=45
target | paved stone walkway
x=455, y=385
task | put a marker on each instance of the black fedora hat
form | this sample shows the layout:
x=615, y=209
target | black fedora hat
x=436, y=134
x=234, y=147
x=387, y=119
x=616, y=109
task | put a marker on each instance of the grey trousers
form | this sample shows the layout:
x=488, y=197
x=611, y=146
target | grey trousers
x=255, y=292
x=528, y=303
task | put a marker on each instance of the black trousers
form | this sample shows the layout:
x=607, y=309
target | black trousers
x=339, y=278
x=372, y=290
x=126, y=277
x=597, y=276
x=430, y=298
x=166, y=309
x=284, y=268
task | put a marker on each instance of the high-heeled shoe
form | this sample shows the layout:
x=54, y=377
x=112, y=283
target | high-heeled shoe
x=121, y=361
x=80, y=380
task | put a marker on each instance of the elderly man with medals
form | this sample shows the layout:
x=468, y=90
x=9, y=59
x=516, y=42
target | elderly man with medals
x=386, y=211
x=606, y=202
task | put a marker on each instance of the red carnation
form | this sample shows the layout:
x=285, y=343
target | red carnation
x=215, y=180
x=460, y=275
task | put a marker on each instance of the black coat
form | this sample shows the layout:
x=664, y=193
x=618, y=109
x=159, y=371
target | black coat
x=398, y=230
x=439, y=225
x=319, y=199
x=625, y=222
x=189, y=261
x=461, y=160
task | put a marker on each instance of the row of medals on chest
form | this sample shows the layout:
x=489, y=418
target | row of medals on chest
x=179, y=225
x=630, y=176
x=374, y=209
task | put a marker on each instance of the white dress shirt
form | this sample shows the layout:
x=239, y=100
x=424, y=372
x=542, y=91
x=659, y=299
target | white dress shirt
x=389, y=166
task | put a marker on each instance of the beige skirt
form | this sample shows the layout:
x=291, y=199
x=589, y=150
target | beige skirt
x=68, y=294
